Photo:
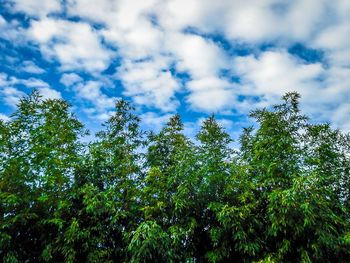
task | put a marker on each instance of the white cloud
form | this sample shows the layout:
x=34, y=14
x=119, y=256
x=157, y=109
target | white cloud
x=126, y=21
x=334, y=39
x=11, y=94
x=36, y=8
x=30, y=67
x=12, y=31
x=138, y=42
x=4, y=80
x=267, y=76
x=69, y=79
x=33, y=83
x=271, y=20
x=148, y=38
x=211, y=94
x=196, y=55
x=251, y=21
x=145, y=71
x=303, y=18
x=2, y=21
x=324, y=90
x=49, y=93
x=75, y=44
x=150, y=83
x=98, y=105
x=123, y=13
x=91, y=91
x=274, y=73
x=205, y=15
x=340, y=117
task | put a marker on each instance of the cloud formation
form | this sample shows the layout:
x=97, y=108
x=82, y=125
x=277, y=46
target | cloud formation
x=11, y=93
x=74, y=44
x=222, y=56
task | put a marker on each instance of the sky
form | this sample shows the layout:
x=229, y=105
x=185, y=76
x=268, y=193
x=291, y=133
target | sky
x=194, y=57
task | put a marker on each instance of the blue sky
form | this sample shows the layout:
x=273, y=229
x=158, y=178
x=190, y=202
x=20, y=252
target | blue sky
x=195, y=57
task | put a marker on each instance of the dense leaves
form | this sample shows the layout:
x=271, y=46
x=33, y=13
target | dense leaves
x=129, y=196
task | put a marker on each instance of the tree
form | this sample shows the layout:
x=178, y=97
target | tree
x=302, y=218
x=215, y=158
x=170, y=160
x=40, y=149
x=105, y=201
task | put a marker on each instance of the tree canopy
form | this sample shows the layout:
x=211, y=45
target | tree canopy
x=143, y=196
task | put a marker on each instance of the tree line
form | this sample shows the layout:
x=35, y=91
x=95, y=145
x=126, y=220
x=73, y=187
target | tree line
x=136, y=196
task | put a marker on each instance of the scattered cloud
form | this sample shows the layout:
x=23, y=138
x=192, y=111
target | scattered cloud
x=150, y=83
x=11, y=96
x=211, y=94
x=48, y=93
x=35, y=8
x=76, y=45
x=96, y=104
x=207, y=56
x=196, y=55
x=91, y=91
x=2, y=21
x=69, y=79
x=11, y=92
x=273, y=73
x=12, y=30
x=30, y=67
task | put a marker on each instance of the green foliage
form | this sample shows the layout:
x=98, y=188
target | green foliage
x=124, y=197
x=39, y=151
x=150, y=243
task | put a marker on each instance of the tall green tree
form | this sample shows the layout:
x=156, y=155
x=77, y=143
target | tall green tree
x=214, y=157
x=40, y=150
x=302, y=219
x=169, y=162
x=106, y=192
x=165, y=154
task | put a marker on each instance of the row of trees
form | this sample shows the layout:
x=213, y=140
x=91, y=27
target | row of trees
x=131, y=196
